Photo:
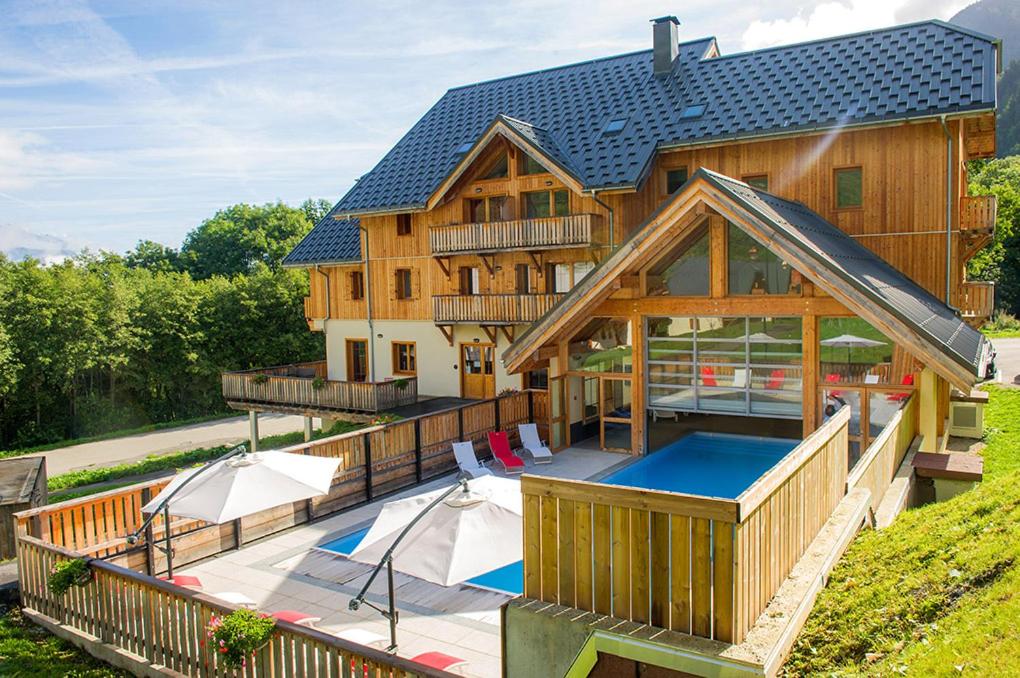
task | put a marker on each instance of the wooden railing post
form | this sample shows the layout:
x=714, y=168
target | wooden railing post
x=496, y=417
x=417, y=449
x=368, y=466
x=150, y=566
x=531, y=406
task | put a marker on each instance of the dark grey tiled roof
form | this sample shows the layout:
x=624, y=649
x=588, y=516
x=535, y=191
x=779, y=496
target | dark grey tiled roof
x=906, y=71
x=543, y=140
x=887, y=287
x=331, y=241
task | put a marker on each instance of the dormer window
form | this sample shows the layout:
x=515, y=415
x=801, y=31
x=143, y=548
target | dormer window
x=614, y=126
x=531, y=166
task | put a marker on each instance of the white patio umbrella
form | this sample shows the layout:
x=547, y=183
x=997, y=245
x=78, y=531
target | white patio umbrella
x=465, y=535
x=248, y=483
x=850, y=341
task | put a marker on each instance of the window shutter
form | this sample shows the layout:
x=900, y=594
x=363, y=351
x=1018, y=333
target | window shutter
x=393, y=284
x=415, y=284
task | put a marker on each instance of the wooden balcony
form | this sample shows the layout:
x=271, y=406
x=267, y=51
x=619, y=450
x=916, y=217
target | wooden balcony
x=575, y=230
x=304, y=388
x=977, y=301
x=491, y=309
x=977, y=214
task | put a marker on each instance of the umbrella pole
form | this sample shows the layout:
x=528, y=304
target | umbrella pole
x=393, y=607
x=169, y=549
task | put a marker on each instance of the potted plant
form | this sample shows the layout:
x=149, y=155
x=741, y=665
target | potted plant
x=400, y=384
x=318, y=382
x=236, y=637
x=68, y=573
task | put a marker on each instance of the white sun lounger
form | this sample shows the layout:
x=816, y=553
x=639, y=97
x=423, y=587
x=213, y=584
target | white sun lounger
x=467, y=461
x=540, y=454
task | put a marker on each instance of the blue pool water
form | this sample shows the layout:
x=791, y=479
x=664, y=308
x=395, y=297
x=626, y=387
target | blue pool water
x=707, y=464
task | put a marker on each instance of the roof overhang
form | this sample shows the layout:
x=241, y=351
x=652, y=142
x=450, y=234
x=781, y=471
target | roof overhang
x=704, y=193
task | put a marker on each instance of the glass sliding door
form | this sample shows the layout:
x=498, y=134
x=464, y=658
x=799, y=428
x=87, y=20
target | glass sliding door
x=615, y=413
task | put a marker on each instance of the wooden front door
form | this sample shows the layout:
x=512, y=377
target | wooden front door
x=477, y=371
x=357, y=359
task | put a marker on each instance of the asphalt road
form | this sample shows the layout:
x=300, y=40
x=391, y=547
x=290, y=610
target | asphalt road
x=165, y=441
x=1007, y=360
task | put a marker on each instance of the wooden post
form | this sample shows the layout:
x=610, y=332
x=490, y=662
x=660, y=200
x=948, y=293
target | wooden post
x=253, y=429
x=238, y=536
x=150, y=565
x=638, y=416
x=531, y=406
x=368, y=467
x=809, y=370
x=927, y=412
x=308, y=429
x=417, y=449
x=717, y=269
x=495, y=403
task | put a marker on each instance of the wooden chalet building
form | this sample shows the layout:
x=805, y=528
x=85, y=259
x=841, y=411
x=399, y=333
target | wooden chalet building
x=509, y=199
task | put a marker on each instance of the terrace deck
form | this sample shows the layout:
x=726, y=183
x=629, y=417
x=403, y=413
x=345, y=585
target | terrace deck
x=286, y=572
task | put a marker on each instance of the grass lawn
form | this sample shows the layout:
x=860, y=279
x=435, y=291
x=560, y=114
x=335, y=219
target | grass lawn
x=937, y=593
x=27, y=651
x=1001, y=334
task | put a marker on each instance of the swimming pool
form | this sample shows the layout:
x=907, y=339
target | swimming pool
x=708, y=464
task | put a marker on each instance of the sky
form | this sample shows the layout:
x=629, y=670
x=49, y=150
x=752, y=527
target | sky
x=130, y=120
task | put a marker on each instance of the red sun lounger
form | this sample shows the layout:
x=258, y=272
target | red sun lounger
x=500, y=446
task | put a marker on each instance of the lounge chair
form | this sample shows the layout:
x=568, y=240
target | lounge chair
x=236, y=598
x=663, y=414
x=739, y=377
x=185, y=581
x=536, y=447
x=362, y=636
x=468, y=462
x=438, y=661
x=296, y=617
x=776, y=380
x=708, y=376
x=833, y=378
x=500, y=446
x=908, y=380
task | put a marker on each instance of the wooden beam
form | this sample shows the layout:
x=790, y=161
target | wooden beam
x=489, y=260
x=490, y=332
x=717, y=266
x=444, y=265
x=750, y=305
x=536, y=260
x=927, y=414
x=809, y=383
x=508, y=332
x=447, y=331
x=638, y=416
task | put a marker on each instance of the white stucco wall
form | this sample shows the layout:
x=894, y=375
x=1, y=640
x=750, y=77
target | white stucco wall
x=438, y=362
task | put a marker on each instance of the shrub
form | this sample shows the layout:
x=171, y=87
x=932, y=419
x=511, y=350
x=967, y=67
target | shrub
x=68, y=573
x=1003, y=322
x=260, y=378
x=318, y=383
x=237, y=636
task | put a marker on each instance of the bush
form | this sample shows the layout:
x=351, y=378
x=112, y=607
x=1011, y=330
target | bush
x=68, y=573
x=239, y=635
x=1003, y=322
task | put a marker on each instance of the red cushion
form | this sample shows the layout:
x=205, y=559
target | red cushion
x=500, y=446
x=294, y=617
x=437, y=660
x=908, y=380
x=184, y=580
x=832, y=378
x=776, y=382
x=708, y=376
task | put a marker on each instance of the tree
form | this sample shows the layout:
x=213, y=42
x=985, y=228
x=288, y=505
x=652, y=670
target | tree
x=1000, y=261
x=315, y=210
x=153, y=256
x=235, y=239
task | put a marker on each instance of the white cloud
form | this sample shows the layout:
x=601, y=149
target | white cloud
x=18, y=243
x=838, y=18
x=26, y=159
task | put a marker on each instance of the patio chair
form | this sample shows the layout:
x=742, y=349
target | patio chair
x=296, y=617
x=708, y=376
x=663, y=414
x=530, y=442
x=362, y=636
x=908, y=380
x=776, y=380
x=185, y=581
x=833, y=378
x=870, y=378
x=235, y=598
x=500, y=446
x=468, y=462
x=438, y=661
x=739, y=377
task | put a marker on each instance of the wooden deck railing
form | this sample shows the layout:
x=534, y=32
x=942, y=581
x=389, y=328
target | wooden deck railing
x=126, y=606
x=497, y=309
x=575, y=230
x=699, y=565
x=977, y=299
x=165, y=624
x=978, y=213
x=877, y=467
x=304, y=388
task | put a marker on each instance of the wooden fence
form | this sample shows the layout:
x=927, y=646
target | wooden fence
x=877, y=467
x=699, y=565
x=165, y=624
x=304, y=388
x=500, y=309
x=575, y=230
x=977, y=299
x=978, y=213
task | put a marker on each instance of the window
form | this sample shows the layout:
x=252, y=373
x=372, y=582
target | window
x=357, y=285
x=402, y=283
x=753, y=269
x=521, y=283
x=404, y=358
x=562, y=278
x=537, y=379
x=581, y=269
x=684, y=271
x=498, y=169
x=675, y=178
x=464, y=148
x=692, y=111
x=759, y=181
x=469, y=280
x=852, y=351
x=403, y=224
x=559, y=278
x=615, y=126
x=849, y=188
x=603, y=345
x=495, y=208
x=531, y=166
x=540, y=204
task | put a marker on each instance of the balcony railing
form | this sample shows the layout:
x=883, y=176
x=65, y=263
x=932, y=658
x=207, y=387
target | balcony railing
x=977, y=299
x=575, y=230
x=491, y=309
x=977, y=213
x=304, y=388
